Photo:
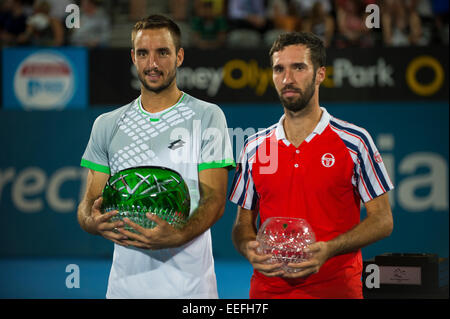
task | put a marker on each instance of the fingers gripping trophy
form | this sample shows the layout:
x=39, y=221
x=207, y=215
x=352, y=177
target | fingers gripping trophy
x=134, y=192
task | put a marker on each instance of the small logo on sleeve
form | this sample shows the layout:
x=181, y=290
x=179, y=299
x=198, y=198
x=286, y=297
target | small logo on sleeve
x=328, y=160
x=378, y=158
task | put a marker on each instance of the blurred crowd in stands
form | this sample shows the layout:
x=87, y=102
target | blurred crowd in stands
x=43, y=23
x=210, y=24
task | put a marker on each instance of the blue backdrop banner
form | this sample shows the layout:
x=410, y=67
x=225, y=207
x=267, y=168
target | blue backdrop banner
x=41, y=182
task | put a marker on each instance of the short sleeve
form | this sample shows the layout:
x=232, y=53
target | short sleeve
x=95, y=156
x=216, y=148
x=371, y=177
x=243, y=191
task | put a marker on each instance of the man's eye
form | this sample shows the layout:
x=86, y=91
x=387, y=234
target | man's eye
x=277, y=69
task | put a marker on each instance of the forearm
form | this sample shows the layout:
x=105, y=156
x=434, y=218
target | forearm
x=209, y=211
x=370, y=230
x=244, y=229
x=213, y=192
x=84, y=216
x=241, y=235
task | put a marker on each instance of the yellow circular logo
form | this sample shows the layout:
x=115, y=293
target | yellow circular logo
x=415, y=66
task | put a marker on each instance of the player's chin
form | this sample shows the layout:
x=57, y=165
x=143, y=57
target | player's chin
x=154, y=84
x=156, y=87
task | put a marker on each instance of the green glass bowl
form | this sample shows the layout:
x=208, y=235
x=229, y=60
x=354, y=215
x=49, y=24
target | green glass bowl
x=135, y=191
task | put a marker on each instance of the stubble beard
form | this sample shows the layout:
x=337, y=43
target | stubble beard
x=297, y=104
x=170, y=79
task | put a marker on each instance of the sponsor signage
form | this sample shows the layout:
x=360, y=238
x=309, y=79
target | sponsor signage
x=44, y=79
x=237, y=76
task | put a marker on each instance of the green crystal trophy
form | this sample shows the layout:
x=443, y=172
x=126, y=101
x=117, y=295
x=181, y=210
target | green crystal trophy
x=136, y=191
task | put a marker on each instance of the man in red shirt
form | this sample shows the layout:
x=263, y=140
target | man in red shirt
x=313, y=166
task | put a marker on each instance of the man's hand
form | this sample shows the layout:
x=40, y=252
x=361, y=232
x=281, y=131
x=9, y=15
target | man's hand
x=213, y=189
x=244, y=235
x=258, y=261
x=320, y=253
x=163, y=235
x=99, y=223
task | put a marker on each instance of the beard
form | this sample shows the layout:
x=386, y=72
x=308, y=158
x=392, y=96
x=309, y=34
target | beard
x=297, y=104
x=170, y=78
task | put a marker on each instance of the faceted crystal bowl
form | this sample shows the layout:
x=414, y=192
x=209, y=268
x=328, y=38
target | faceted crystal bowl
x=136, y=191
x=285, y=239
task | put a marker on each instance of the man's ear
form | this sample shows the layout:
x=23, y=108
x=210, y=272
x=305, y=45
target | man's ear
x=180, y=57
x=132, y=56
x=320, y=75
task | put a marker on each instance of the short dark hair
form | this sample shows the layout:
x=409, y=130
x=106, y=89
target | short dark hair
x=156, y=21
x=311, y=41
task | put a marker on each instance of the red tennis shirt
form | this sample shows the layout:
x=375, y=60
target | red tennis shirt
x=322, y=181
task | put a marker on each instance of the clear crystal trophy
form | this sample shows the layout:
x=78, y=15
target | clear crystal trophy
x=285, y=238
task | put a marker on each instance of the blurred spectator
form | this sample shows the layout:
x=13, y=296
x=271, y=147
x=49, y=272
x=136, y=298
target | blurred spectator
x=401, y=24
x=209, y=28
x=282, y=18
x=180, y=9
x=441, y=24
x=282, y=15
x=42, y=29
x=13, y=21
x=248, y=23
x=94, y=27
x=320, y=23
x=58, y=9
x=351, y=27
x=137, y=10
x=303, y=8
x=247, y=14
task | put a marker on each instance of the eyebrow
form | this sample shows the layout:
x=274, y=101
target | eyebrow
x=295, y=64
x=299, y=64
x=163, y=49
x=142, y=50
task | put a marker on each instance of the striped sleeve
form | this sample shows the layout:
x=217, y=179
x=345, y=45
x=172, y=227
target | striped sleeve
x=370, y=175
x=243, y=192
x=243, y=189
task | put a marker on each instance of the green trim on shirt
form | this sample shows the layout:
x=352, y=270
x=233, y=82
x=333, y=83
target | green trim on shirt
x=217, y=164
x=95, y=166
x=156, y=119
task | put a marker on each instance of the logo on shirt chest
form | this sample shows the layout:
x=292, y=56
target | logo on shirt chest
x=328, y=160
x=176, y=144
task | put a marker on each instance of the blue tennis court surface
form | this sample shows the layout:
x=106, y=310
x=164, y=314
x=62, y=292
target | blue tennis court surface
x=46, y=278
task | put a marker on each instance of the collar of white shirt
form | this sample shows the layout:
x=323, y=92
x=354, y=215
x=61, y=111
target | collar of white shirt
x=320, y=127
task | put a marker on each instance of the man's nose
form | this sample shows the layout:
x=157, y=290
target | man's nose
x=152, y=61
x=288, y=77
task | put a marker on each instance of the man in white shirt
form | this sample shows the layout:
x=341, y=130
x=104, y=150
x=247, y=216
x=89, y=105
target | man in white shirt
x=168, y=128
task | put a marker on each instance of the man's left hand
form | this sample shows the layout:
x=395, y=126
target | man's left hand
x=320, y=253
x=163, y=235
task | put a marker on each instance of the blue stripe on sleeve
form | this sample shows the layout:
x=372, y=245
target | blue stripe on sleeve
x=365, y=139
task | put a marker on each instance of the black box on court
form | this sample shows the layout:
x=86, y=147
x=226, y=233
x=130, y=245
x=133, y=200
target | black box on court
x=406, y=275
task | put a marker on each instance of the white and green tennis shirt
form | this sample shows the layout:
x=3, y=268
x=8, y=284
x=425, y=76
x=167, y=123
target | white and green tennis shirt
x=188, y=137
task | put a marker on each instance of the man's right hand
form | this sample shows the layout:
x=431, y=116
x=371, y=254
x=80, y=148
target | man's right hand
x=100, y=224
x=259, y=261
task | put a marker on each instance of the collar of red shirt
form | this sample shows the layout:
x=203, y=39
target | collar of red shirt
x=320, y=127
